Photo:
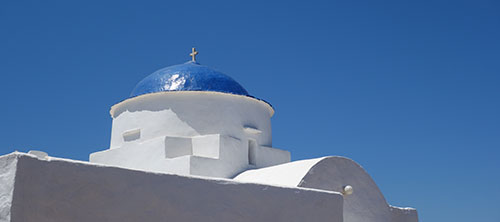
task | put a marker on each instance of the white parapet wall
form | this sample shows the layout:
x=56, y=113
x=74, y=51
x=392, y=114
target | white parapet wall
x=212, y=155
x=53, y=189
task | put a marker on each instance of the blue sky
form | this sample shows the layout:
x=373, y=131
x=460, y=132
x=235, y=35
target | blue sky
x=409, y=89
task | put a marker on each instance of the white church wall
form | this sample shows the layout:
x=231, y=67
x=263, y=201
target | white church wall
x=206, y=146
x=404, y=214
x=208, y=155
x=8, y=169
x=177, y=146
x=232, y=129
x=201, y=166
x=64, y=190
x=267, y=156
x=233, y=150
x=289, y=174
x=188, y=113
x=150, y=156
x=150, y=124
x=234, y=157
x=366, y=203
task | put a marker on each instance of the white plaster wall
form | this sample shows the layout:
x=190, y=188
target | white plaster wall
x=289, y=174
x=208, y=155
x=150, y=124
x=187, y=113
x=206, y=146
x=8, y=166
x=268, y=156
x=366, y=204
x=177, y=146
x=149, y=156
x=65, y=190
x=405, y=214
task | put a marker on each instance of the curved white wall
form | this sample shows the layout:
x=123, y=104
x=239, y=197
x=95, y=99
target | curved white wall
x=188, y=113
x=366, y=203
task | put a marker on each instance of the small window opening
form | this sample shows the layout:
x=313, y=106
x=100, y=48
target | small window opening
x=252, y=152
x=131, y=135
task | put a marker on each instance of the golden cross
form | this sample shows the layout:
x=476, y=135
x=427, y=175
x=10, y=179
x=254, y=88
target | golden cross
x=193, y=54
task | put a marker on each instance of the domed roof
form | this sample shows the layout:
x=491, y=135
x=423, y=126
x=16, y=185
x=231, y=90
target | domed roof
x=190, y=76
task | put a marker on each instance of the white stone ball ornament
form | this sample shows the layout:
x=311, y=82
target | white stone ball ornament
x=347, y=190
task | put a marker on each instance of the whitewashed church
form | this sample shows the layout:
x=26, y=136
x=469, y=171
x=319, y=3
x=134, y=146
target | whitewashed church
x=191, y=144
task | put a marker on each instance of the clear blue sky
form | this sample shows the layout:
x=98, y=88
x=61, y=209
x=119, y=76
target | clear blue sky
x=409, y=89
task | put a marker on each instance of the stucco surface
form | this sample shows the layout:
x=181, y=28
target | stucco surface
x=65, y=190
x=365, y=204
x=209, y=155
x=8, y=165
x=224, y=133
x=188, y=113
x=406, y=214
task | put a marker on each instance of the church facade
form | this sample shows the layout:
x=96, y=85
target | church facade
x=191, y=144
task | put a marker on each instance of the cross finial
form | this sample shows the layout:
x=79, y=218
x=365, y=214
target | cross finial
x=193, y=54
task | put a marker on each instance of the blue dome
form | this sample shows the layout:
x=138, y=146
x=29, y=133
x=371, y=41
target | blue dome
x=189, y=76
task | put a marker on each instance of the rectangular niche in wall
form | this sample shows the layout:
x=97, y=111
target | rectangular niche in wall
x=132, y=135
x=252, y=152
